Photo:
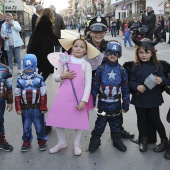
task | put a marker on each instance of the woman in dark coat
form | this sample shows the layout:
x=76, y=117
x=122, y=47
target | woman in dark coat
x=42, y=42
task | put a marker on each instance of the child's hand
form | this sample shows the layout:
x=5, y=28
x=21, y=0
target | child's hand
x=9, y=107
x=158, y=80
x=68, y=75
x=124, y=111
x=141, y=88
x=19, y=112
x=43, y=112
x=81, y=105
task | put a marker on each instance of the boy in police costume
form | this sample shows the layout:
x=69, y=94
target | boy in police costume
x=98, y=28
x=110, y=83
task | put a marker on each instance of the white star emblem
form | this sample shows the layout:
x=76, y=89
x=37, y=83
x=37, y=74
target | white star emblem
x=111, y=75
x=29, y=82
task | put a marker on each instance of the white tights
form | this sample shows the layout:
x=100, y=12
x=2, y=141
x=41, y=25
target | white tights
x=61, y=136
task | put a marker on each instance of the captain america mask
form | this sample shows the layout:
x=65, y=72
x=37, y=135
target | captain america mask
x=117, y=54
x=113, y=48
x=30, y=64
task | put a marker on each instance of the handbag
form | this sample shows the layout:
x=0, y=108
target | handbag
x=144, y=28
x=168, y=116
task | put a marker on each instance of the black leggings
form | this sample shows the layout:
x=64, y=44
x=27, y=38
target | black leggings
x=142, y=121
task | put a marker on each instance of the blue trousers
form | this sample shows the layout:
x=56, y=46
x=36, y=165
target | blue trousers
x=34, y=116
x=2, y=110
x=127, y=39
x=101, y=122
x=14, y=50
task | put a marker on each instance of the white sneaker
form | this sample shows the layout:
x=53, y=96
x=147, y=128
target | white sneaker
x=19, y=71
x=56, y=148
x=77, y=150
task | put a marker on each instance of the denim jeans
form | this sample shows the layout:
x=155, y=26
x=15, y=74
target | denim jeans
x=14, y=51
x=33, y=116
x=2, y=110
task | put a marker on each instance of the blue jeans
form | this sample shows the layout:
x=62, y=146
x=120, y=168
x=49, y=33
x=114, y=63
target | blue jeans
x=127, y=39
x=34, y=116
x=2, y=110
x=113, y=31
x=14, y=50
x=57, y=48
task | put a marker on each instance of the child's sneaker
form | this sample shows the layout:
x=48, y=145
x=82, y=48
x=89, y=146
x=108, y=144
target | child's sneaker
x=42, y=145
x=26, y=146
x=4, y=144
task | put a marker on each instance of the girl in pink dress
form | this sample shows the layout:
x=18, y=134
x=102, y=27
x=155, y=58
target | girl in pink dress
x=67, y=110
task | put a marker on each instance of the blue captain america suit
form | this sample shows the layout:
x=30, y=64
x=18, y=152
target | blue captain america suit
x=6, y=93
x=31, y=100
x=110, y=84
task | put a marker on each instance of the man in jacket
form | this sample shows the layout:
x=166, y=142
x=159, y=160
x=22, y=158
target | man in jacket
x=39, y=9
x=150, y=21
x=58, y=26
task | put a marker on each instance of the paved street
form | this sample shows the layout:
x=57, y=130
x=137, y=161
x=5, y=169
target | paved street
x=106, y=157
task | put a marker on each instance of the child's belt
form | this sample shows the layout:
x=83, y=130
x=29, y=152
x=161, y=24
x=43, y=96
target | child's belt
x=27, y=106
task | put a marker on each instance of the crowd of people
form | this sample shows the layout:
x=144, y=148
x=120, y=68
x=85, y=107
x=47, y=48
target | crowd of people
x=92, y=66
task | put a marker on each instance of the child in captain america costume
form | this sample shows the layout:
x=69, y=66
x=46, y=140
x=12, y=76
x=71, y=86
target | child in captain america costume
x=6, y=96
x=110, y=83
x=31, y=103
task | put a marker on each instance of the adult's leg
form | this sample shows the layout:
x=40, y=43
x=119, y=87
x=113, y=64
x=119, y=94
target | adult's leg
x=17, y=56
x=10, y=57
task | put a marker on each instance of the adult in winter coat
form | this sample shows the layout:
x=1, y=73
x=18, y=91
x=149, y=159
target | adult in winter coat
x=12, y=41
x=150, y=21
x=58, y=26
x=42, y=42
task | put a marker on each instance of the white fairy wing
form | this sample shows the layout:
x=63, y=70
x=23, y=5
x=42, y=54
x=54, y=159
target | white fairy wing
x=95, y=62
x=54, y=58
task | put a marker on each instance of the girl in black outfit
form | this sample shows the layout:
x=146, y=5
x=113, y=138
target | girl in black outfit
x=147, y=101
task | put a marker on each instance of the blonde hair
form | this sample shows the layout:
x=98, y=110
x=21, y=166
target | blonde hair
x=9, y=15
x=49, y=13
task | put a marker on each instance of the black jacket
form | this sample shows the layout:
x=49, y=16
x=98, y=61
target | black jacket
x=150, y=98
x=149, y=20
x=42, y=43
x=33, y=21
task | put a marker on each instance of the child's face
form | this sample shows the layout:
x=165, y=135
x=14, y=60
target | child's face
x=112, y=57
x=144, y=55
x=97, y=37
x=79, y=49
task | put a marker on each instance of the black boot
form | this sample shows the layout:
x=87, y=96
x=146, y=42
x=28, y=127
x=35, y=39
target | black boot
x=143, y=144
x=4, y=144
x=167, y=153
x=95, y=142
x=126, y=135
x=162, y=146
x=117, y=142
x=47, y=129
